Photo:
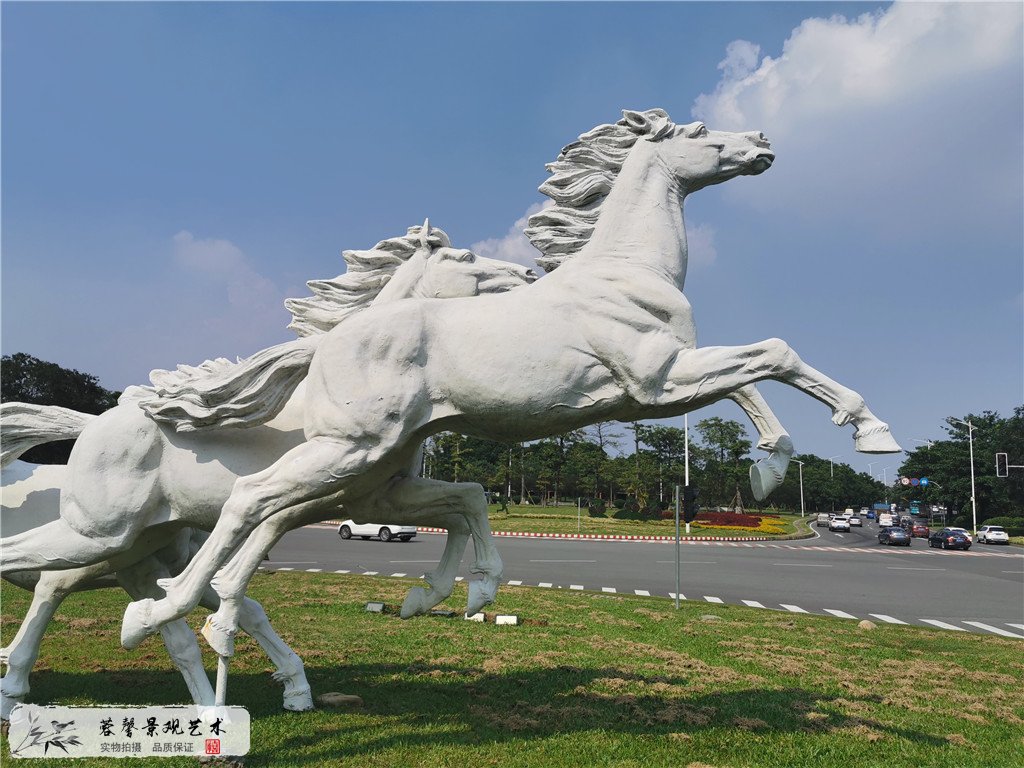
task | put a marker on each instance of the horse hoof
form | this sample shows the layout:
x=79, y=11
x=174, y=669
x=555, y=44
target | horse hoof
x=299, y=701
x=416, y=603
x=135, y=626
x=761, y=481
x=219, y=636
x=876, y=440
x=7, y=704
x=480, y=595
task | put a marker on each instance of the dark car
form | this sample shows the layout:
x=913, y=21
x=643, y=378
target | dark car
x=920, y=531
x=894, y=535
x=947, y=538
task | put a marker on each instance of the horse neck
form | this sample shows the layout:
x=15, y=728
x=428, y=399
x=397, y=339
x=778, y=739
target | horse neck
x=405, y=282
x=641, y=222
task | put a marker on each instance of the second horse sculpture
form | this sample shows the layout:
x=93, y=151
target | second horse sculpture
x=608, y=335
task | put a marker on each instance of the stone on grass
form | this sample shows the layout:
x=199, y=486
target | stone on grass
x=338, y=700
x=865, y=624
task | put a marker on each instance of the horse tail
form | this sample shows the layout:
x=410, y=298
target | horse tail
x=220, y=393
x=26, y=425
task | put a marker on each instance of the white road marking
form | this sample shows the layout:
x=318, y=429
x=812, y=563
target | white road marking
x=793, y=608
x=545, y=584
x=753, y=603
x=460, y=578
x=403, y=562
x=397, y=575
x=314, y=570
x=805, y=565
x=1013, y=571
x=608, y=589
x=286, y=569
x=673, y=595
x=341, y=571
x=943, y=625
x=907, y=568
x=840, y=614
x=515, y=583
x=887, y=619
x=575, y=586
x=1016, y=626
x=370, y=573
x=693, y=562
x=713, y=599
x=563, y=561
x=642, y=592
x=293, y=562
x=996, y=630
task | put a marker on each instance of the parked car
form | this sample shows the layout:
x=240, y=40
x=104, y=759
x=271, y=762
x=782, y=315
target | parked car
x=894, y=535
x=964, y=531
x=839, y=524
x=920, y=530
x=993, y=534
x=947, y=538
x=382, y=531
x=822, y=520
x=854, y=519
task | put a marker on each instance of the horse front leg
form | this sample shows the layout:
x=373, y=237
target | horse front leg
x=765, y=474
x=698, y=377
x=306, y=477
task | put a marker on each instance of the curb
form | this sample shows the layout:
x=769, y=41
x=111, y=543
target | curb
x=588, y=536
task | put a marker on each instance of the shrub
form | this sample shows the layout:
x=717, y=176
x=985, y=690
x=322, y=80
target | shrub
x=596, y=507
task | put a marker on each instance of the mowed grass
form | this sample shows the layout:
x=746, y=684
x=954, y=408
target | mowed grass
x=590, y=680
x=563, y=519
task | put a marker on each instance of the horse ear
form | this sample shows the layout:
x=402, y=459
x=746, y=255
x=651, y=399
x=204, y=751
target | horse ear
x=638, y=121
x=425, y=234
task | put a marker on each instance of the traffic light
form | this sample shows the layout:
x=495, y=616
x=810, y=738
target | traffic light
x=690, y=506
x=1002, y=465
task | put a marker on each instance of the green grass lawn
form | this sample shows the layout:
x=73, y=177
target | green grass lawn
x=591, y=680
x=563, y=519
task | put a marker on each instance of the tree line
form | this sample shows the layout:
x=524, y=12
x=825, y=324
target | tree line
x=641, y=463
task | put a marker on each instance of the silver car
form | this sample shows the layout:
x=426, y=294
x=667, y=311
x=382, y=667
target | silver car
x=382, y=531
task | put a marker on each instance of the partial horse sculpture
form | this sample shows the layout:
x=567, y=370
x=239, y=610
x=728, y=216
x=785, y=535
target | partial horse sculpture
x=184, y=479
x=608, y=335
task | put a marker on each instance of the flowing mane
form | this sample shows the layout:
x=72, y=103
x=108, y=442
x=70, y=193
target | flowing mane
x=366, y=275
x=251, y=391
x=581, y=178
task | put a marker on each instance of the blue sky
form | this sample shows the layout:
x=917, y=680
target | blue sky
x=171, y=172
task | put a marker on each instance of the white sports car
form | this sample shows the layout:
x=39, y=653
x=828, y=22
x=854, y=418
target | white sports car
x=382, y=531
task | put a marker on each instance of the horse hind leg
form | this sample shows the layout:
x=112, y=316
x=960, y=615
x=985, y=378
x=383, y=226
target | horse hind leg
x=765, y=474
x=291, y=673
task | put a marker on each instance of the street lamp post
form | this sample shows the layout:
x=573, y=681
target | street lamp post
x=885, y=482
x=801, y=485
x=832, y=477
x=970, y=440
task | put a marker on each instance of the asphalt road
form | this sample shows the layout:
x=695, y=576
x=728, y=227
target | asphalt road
x=848, y=575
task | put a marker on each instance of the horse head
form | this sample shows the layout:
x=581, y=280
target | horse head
x=698, y=157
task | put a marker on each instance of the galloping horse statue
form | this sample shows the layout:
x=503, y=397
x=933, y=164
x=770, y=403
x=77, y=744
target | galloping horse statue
x=165, y=479
x=607, y=335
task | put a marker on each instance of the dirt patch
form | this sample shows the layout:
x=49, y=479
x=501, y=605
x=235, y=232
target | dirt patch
x=749, y=723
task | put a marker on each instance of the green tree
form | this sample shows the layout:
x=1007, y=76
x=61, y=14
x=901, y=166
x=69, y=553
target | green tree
x=723, y=458
x=27, y=379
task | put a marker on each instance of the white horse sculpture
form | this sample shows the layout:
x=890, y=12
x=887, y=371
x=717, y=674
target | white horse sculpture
x=608, y=335
x=202, y=401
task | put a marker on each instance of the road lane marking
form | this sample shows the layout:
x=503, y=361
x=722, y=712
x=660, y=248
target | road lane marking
x=673, y=595
x=575, y=586
x=515, y=583
x=608, y=589
x=713, y=599
x=642, y=592
x=286, y=569
x=404, y=562
x=563, y=561
x=887, y=619
x=805, y=565
x=692, y=562
x=996, y=630
x=397, y=575
x=793, y=608
x=1016, y=626
x=908, y=568
x=943, y=625
x=460, y=578
x=545, y=584
x=293, y=562
x=1013, y=571
x=314, y=570
x=341, y=571
x=840, y=614
x=753, y=603
x=369, y=573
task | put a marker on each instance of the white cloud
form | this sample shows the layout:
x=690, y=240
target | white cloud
x=514, y=246
x=700, y=243
x=247, y=308
x=839, y=65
